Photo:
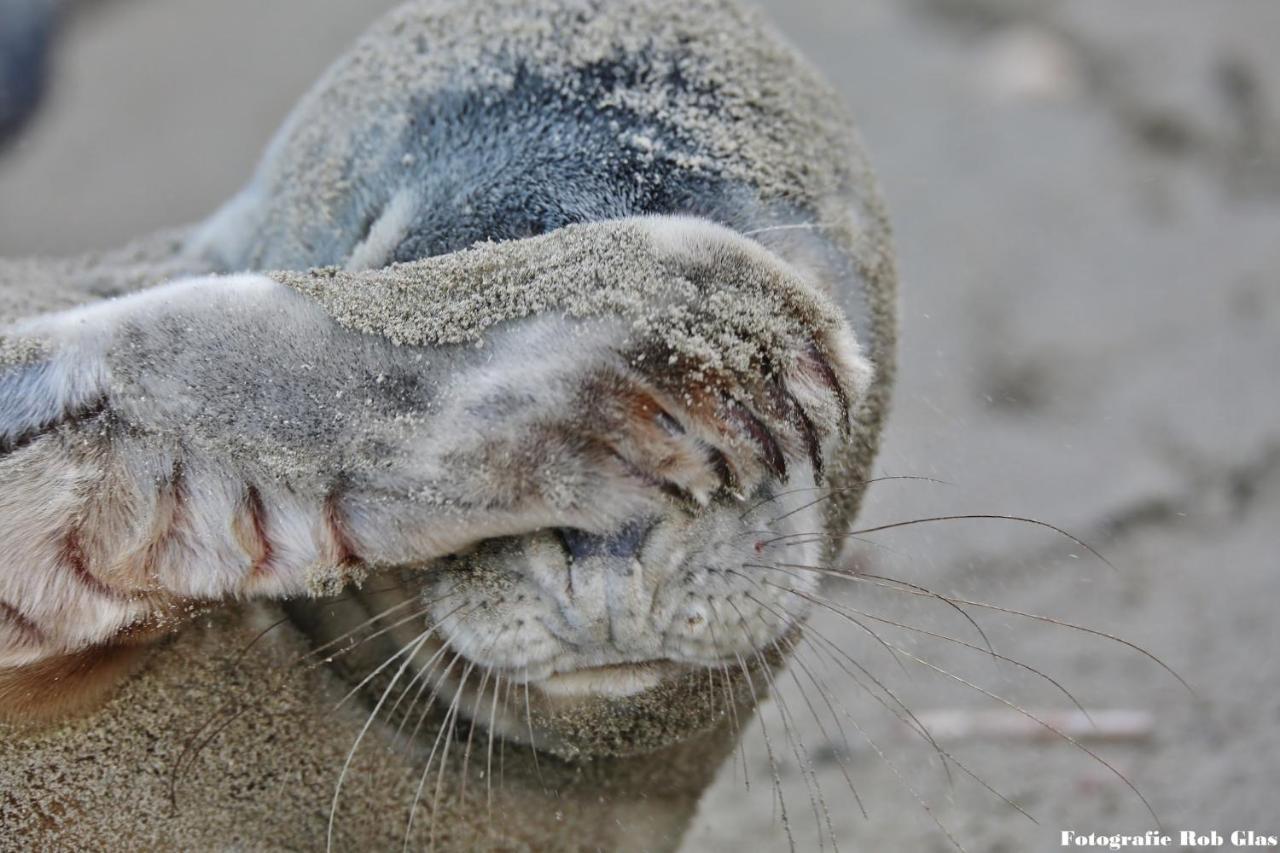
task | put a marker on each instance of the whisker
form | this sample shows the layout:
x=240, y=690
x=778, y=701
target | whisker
x=502, y=742
x=219, y=723
x=817, y=537
x=424, y=678
x=257, y=637
x=964, y=768
x=794, y=226
x=332, y=655
x=354, y=690
x=488, y=765
x=917, y=630
x=1056, y=731
x=475, y=718
x=1035, y=522
x=426, y=770
x=454, y=708
x=916, y=725
x=955, y=761
x=773, y=764
x=737, y=725
x=803, y=759
x=944, y=600
x=731, y=701
x=822, y=692
x=872, y=633
x=831, y=492
x=276, y=624
x=893, y=768
x=797, y=619
x=346, y=765
x=958, y=609
x=893, y=583
x=789, y=730
x=371, y=620
x=711, y=694
x=192, y=751
x=913, y=722
x=528, y=716
x=943, y=754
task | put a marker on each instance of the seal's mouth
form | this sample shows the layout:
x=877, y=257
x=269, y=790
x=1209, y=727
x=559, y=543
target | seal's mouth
x=613, y=681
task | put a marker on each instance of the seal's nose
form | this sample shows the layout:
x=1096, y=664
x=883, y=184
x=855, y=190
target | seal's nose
x=623, y=543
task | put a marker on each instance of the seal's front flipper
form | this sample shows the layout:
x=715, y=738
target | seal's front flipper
x=39, y=391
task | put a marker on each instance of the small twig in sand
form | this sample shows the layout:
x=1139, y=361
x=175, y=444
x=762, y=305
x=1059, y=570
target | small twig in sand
x=1001, y=723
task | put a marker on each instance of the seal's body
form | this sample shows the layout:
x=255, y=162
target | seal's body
x=526, y=312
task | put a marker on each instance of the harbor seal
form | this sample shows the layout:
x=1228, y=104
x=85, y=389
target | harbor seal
x=511, y=376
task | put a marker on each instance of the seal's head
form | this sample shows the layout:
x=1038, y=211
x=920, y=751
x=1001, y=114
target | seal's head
x=707, y=404
x=451, y=125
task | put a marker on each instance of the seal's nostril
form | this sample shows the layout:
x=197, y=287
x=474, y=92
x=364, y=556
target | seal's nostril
x=578, y=543
x=622, y=543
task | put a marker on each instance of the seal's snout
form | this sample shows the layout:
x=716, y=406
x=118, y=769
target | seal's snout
x=622, y=544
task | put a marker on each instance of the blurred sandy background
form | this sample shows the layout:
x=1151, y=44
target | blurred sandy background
x=1087, y=202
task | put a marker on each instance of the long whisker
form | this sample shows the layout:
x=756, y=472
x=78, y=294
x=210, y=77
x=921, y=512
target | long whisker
x=424, y=677
x=454, y=709
x=893, y=583
x=216, y=722
x=284, y=619
x=731, y=701
x=866, y=629
x=893, y=768
x=488, y=764
x=833, y=492
x=964, y=614
x=773, y=764
x=909, y=719
x=913, y=722
x=528, y=717
x=502, y=742
x=330, y=656
x=1048, y=726
x=826, y=697
x=830, y=492
x=793, y=226
x=475, y=717
x=346, y=765
x=426, y=709
x=366, y=623
x=917, y=630
x=965, y=517
x=948, y=603
x=797, y=619
x=788, y=730
x=807, y=771
x=354, y=690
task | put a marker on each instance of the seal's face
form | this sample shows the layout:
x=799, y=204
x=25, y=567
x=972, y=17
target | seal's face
x=548, y=636
x=663, y=599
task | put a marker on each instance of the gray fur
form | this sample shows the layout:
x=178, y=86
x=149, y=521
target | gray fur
x=444, y=414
